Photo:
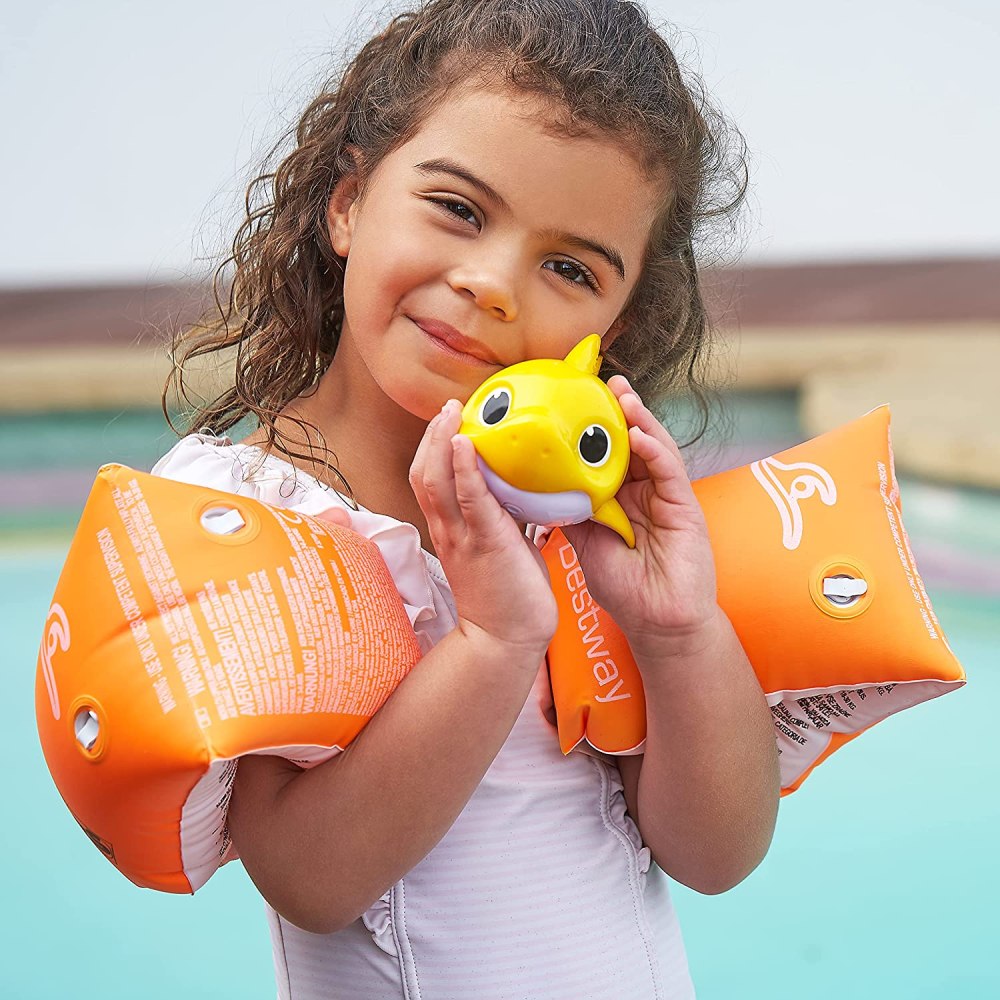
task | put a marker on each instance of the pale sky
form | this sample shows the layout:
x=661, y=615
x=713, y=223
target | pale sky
x=130, y=128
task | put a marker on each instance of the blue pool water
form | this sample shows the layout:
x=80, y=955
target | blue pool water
x=880, y=883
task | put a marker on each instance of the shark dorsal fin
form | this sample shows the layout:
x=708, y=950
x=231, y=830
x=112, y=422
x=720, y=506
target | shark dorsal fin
x=586, y=356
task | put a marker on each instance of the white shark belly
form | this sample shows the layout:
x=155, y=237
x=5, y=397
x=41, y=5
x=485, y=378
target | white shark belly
x=554, y=509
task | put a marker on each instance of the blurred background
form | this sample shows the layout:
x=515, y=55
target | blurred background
x=866, y=270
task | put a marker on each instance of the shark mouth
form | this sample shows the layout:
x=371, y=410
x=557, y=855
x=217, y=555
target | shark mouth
x=553, y=509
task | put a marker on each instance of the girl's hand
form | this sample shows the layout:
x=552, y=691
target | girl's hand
x=497, y=576
x=662, y=593
x=335, y=515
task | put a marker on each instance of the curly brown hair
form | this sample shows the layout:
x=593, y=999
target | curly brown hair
x=279, y=293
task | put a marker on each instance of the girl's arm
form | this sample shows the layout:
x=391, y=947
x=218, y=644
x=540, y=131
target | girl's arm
x=322, y=845
x=705, y=793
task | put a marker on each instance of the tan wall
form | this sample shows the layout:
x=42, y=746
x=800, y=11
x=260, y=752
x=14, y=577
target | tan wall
x=942, y=380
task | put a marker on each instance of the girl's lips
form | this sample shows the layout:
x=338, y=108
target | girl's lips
x=448, y=337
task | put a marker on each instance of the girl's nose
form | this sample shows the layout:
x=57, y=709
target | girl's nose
x=490, y=287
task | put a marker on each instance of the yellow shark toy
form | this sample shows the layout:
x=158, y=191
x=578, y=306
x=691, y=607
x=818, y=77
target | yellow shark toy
x=552, y=440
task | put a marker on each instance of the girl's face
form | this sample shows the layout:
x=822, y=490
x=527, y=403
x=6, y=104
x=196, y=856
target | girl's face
x=482, y=242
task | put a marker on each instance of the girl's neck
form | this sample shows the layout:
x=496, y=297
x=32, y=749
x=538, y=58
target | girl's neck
x=372, y=441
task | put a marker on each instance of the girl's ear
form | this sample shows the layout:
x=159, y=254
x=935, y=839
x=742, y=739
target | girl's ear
x=340, y=213
x=614, y=331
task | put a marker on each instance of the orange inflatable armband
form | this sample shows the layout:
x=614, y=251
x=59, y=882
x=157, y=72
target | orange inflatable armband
x=816, y=575
x=191, y=626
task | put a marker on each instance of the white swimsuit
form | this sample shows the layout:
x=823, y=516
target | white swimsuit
x=542, y=888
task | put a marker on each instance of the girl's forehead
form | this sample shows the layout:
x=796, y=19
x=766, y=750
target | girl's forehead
x=511, y=142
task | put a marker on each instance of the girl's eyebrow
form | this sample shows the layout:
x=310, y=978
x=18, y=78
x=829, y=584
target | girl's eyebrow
x=450, y=167
x=442, y=166
x=610, y=254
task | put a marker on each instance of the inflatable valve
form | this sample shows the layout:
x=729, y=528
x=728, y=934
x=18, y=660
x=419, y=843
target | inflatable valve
x=843, y=590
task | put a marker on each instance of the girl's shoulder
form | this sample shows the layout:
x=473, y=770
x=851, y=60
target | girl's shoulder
x=219, y=463
x=205, y=459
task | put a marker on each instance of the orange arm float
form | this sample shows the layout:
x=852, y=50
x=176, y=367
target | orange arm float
x=191, y=626
x=816, y=574
x=173, y=645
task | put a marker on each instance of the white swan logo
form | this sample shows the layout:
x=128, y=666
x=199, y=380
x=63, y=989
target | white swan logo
x=810, y=479
x=56, y=639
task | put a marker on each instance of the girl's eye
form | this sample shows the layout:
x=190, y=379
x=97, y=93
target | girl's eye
x=574, y=273
x=458, y=209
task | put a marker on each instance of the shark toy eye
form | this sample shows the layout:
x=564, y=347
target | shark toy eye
x=496, y=407
x=595, y=445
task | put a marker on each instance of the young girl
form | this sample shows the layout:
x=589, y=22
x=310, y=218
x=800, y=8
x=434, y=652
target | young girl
x=489, y=182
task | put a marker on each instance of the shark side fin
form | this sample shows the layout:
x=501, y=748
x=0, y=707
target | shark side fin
x=612, y=515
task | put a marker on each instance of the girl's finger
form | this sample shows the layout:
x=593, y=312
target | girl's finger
x=420, y=455
x=335, y=515
x=479, y=507
x=620, y=386
x=637, y=470
x=639, y=415
x=666, y=470
x=438, y=472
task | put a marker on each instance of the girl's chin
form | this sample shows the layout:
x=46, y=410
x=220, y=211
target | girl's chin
x=427, y=404
x=424, y=407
